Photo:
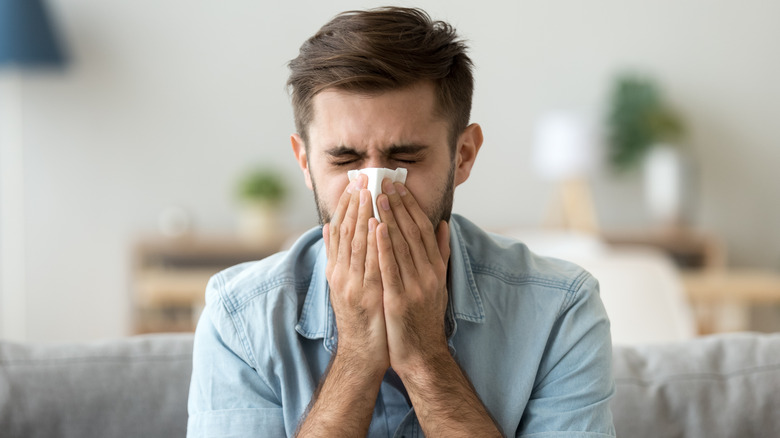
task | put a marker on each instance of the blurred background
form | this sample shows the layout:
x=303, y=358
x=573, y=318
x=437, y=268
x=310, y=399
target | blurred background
x=135, y=161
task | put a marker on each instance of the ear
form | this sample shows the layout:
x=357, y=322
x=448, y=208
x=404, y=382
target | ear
x=469, y=142
x=299, y=149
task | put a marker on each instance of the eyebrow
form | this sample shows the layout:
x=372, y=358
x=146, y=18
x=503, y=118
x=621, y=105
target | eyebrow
x=393, y=149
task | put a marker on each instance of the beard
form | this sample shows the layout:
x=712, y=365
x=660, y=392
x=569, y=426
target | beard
x=441, y=210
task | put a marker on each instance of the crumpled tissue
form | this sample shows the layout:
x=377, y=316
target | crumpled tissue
x=375, y=176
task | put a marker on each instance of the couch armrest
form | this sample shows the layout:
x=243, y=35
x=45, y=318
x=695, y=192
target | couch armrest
x=136, y=386
x=718, y=386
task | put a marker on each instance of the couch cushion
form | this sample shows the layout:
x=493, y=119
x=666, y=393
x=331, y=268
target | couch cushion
x=130, y=387
x=716, y=386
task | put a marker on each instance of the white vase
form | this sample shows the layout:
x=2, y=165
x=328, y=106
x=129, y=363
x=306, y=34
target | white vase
x=666, y=184
x=259, y=223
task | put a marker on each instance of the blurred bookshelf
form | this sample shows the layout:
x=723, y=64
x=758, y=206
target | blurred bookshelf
x=690, y=249
x=723, y=297
x=169, y=276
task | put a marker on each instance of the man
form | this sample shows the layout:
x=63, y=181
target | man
x=420, y=322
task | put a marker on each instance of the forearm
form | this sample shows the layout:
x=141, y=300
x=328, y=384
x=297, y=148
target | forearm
x=446, y=403
x=343, y=403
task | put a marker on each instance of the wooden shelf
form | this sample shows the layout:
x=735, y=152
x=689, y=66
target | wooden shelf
x=170, y=276
x=750, y=286
x=722, y=298
x=689, y=248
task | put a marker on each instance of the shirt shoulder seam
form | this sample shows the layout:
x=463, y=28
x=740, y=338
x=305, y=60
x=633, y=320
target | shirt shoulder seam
x=574, y=290
x=232, y=308
x=262, y=289
x=516, y=279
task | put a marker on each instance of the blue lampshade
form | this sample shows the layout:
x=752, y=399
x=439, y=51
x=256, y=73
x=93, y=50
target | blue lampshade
x=26, y=35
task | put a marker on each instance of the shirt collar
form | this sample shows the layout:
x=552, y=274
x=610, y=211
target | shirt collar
x=466, y=299
x=317, y=320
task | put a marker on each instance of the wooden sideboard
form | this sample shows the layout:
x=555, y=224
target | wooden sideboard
x=169, y=276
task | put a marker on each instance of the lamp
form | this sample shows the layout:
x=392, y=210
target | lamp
x=27, y=40
x=565, y=152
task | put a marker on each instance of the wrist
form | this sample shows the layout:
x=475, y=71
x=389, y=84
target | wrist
x=358, y=366
x=429, y=366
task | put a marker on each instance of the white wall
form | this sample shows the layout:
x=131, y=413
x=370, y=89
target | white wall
x=166, y=101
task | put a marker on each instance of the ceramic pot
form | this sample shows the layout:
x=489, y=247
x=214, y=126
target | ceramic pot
x=667, y=184
x=259, y=223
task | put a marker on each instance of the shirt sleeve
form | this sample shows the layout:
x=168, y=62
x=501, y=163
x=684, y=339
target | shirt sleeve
x=574, y=384
x=228, y=398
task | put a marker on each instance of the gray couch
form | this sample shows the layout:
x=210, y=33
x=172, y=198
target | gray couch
x=719, y=386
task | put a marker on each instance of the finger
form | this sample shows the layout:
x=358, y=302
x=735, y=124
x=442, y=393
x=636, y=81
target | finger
x=326, y=236
x=336, y=219
x=365, y=210
x=372, y=277
x=388, y=267
x=346, y=230
x=404, y=222
x=335, y=223
x=401, y=248
x=422, y=221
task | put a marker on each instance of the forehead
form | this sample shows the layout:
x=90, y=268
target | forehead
x=359, y=120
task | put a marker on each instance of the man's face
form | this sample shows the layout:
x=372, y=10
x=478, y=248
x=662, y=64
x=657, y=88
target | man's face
x=397, y=128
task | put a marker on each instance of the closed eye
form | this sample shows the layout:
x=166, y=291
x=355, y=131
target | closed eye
x=343, y=156
x=407, y=153
x=344, y=162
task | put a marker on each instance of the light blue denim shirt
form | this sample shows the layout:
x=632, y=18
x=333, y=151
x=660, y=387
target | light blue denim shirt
x=530, y=332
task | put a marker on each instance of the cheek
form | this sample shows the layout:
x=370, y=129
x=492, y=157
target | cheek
x=331, y=192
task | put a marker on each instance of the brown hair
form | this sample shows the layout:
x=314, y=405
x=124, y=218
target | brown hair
x=379, y=50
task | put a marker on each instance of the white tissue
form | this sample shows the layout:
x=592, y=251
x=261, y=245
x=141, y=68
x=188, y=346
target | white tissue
x=375, y=176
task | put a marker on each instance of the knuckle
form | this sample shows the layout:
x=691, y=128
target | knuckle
x=354, y=267
x=395, y=274
x=403, y=250
x=357, y=246
x=345, y=230
x=372, y=281
x=426, y=226
x=413, y=232
x=333, y=228
x=395, y=200
x=335, y=279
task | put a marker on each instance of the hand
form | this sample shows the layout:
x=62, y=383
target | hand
x=389, y=294
x=355, y=282
x=413, y=261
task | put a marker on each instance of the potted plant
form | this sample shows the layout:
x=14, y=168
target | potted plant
x=638, y=120
x=261, y=192
x=642, y=131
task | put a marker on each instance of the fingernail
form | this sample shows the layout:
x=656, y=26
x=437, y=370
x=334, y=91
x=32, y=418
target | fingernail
x=401, y=189
x=390, y=187
x=364, y=194
x=384, y=231
x=371, y=226
x=352, y=186
x=384, y=203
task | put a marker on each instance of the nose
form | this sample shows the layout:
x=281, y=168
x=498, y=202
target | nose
x=377, y=162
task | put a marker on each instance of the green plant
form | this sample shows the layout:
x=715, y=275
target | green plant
x=262, y=185
x=637, y=120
